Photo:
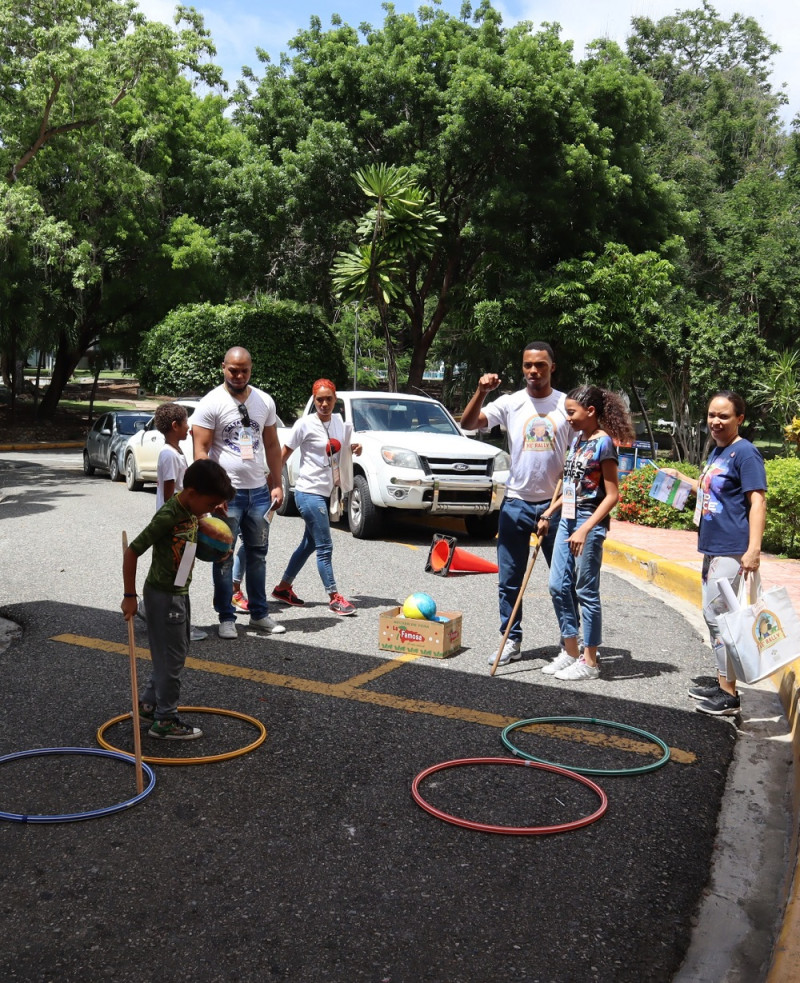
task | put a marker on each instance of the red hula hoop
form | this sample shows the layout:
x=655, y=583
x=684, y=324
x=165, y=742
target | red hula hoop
x=509, y=830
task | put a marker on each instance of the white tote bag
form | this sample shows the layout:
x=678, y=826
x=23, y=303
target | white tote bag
x=762, y=636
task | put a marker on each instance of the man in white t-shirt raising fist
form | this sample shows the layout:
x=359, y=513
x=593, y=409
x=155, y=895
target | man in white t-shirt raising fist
x=538, y=434
x=236, y=425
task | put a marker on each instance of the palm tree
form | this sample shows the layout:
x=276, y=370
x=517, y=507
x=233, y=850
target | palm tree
x=399, y=228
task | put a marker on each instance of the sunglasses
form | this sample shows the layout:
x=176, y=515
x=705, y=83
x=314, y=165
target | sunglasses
x=243, y=414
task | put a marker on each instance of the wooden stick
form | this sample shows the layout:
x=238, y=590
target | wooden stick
x=137, y=737
x=525, y=580
x=518, y=601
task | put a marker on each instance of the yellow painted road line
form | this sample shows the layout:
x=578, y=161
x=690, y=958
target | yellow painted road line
x=381, y=670
x=352, y=690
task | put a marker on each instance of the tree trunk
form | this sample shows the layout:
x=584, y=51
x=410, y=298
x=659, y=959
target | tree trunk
x=67, y=358
x=391, y=361
x=416, y=371
x=635, y=391
x=97, y=367
x=36, y=391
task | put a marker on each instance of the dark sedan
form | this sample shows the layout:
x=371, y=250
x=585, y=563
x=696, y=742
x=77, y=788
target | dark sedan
x=106, y=441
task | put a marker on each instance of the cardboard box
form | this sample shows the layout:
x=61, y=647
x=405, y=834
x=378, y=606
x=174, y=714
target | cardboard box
x=436, y=639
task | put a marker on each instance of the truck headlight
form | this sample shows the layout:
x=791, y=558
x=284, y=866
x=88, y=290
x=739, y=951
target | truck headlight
x=399, y=457
x=502, y=461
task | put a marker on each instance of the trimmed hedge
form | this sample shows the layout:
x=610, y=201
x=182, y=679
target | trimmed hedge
x=782, y=533
x=783, y=507
x=290, y=344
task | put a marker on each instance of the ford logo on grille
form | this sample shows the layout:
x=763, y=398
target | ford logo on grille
x=461, y=467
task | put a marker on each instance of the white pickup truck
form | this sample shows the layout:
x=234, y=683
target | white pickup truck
x=414, y=458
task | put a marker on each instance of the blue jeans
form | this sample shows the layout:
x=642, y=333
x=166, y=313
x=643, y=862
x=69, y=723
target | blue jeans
x=238, y=564
x=317, y=536
x=246, y=516
x=578, y=578
x=517, y=521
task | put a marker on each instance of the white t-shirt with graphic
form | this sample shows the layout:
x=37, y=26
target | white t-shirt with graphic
x=219, y=411
x=538, y=435
x=171, y=466
x=311, y=435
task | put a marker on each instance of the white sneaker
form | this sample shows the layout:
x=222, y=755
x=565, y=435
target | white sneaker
x=561, y=661
x=578, y=671
x=197, y=634
x=511, y=650
x=227, y=629
x=268, y=625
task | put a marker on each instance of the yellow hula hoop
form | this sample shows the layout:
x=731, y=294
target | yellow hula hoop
x=208, y=759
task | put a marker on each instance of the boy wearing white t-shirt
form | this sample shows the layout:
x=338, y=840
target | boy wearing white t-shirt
x=172, y=420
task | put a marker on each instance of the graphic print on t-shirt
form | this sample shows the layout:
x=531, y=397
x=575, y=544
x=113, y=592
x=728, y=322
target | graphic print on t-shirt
x=230, y=437
x=583, y=469
x=711, y=482
x=539, y=434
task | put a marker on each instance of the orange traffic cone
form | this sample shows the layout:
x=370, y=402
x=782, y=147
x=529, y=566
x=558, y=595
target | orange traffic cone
x=445, y=557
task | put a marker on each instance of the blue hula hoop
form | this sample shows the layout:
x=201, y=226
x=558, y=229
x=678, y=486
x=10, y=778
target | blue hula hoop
x=71, y=817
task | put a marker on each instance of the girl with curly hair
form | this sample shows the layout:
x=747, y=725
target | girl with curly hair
x=589, y=491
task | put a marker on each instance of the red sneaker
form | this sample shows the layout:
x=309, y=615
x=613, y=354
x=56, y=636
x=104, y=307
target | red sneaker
x=240, y=601
x=340, y=605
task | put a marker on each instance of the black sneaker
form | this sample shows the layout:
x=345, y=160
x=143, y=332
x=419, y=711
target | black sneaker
x=704, y=692
x=174, y=729
x=721, y=705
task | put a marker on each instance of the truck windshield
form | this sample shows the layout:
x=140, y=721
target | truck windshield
x=399, y=415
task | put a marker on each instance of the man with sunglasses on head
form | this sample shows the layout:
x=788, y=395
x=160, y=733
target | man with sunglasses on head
x=236, y=425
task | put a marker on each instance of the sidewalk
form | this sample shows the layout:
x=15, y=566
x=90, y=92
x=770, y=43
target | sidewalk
x=669, y=559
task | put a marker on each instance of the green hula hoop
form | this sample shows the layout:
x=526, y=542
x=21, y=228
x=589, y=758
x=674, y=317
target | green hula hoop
x=643, y=769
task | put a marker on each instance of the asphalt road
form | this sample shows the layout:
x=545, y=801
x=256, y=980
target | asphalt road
x=307, y=859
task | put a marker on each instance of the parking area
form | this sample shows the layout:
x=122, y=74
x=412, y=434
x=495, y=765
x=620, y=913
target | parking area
x=307, y=858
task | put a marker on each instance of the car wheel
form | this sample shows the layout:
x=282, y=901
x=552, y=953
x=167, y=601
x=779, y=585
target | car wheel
x=132, y=483
x=114, y=472
x=88, y=469
x=482, y=526
x=364, y=518
x=287, y=506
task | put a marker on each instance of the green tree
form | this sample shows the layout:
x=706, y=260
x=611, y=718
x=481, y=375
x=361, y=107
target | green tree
x=288, y=343
x=777, y=387
x=530, y=157
x=99, y=132
x=723, y=146
x=395, y=236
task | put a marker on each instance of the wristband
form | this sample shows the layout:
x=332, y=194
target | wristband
x=129, y=595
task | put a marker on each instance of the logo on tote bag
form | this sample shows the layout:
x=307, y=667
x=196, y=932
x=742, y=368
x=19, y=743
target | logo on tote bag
x=767, y=630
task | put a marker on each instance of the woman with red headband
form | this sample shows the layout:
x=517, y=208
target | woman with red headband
x=320, y=437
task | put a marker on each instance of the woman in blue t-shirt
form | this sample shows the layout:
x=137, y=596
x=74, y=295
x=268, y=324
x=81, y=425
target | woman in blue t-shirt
x=589, y=491
x=730, y=516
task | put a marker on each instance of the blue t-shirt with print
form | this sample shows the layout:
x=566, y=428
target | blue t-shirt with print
x=729, y=474
x=584, y=467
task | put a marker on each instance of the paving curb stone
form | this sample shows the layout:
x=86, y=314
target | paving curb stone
x=685, y=583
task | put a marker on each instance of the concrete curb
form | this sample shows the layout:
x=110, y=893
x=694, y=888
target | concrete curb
x=685, y=583
x=65, y=445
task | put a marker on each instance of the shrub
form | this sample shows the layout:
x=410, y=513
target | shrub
x=783, y=507
x=783, y=504
x=635, y=504
x=290, y=344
